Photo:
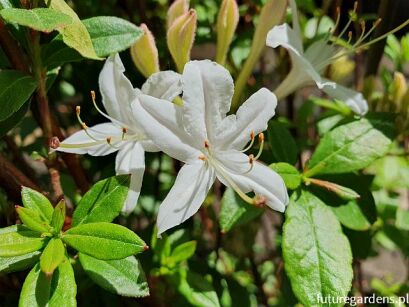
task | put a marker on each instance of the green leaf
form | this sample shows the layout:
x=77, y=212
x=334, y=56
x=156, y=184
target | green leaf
x=402, y=219
x=234, y=211
x=352, y=147
x=40, y=290
x=103, y=202
x=33, y=220
x=38, y=202
x=18, y=263
x=18, y=240
x=124, y=277
x=52, y=256
x=197, y=290
x=391, y=172
x=40, y=19
x=183, y=251
x=13, y=120
x=291, y=176
x=104, y=241
x=76, y=34
x=282, y=143
x=58, y=218
x=15, y=89
x=111, y=34
x=317, y=255
x=357, y=214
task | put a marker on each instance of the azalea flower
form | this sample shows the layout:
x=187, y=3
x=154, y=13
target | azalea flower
x=122, y=133
x=210, y=143
x=308, y=65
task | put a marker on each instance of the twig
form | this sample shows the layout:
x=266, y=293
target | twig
x=19, y=61
x=12, y=179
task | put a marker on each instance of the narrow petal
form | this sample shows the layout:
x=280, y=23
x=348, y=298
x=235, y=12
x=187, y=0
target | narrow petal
x=252, y=116
x=303, y=70
x=164, y=85
x=259, y=178
x=283, y=35
x=186, y=196
x=207, y=92
x=117, y=91
x=161, y=121
x=134, y=190
x=81, y=143
x=353, y=99
x=130, y=157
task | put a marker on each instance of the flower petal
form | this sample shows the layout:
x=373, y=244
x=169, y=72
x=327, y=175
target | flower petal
x=130, y=157
x=235, y=130
x=259, y=178
x=162, y=122
x=81, y=143
x=207, y=92
x=353, y=99
x=283, y=35
x=117, y=91
x=134, y=190
x=186, y=196
x=164, y=85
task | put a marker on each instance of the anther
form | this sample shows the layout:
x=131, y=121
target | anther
x=124, y=131
x=109, y=140
x=349, y=36
x=54, y=142
x=202, y=157
x=261, y=137
x=251, y=159
x=261, y=142
x=206, y=144
x=78, y=110
x=93, y=95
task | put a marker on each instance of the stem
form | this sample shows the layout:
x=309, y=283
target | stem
x=12, y=179
x=40, y=74
x=19, y=61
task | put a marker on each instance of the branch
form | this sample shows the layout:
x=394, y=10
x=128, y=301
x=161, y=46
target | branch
x=12, y=179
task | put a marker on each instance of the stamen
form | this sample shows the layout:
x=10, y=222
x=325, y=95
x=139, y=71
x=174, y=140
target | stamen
x=232, y=184
x=124, y=131
x=374, y=26
x=102, y=113
x=261, y=142
x=251, y=161
x=109, y=141
x=252, y=136
x=361, y=37
x=349, y=37
x=338, y=20
x=83, y=124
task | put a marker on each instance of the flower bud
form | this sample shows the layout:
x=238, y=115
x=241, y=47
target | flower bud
x=227, y=21
x=145, y=54
x=399, y=88
x=177, y=9
x=181, y=36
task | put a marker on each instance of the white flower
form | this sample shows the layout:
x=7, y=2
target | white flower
x=308, y=65
x=121, y=133
x=210, y=143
